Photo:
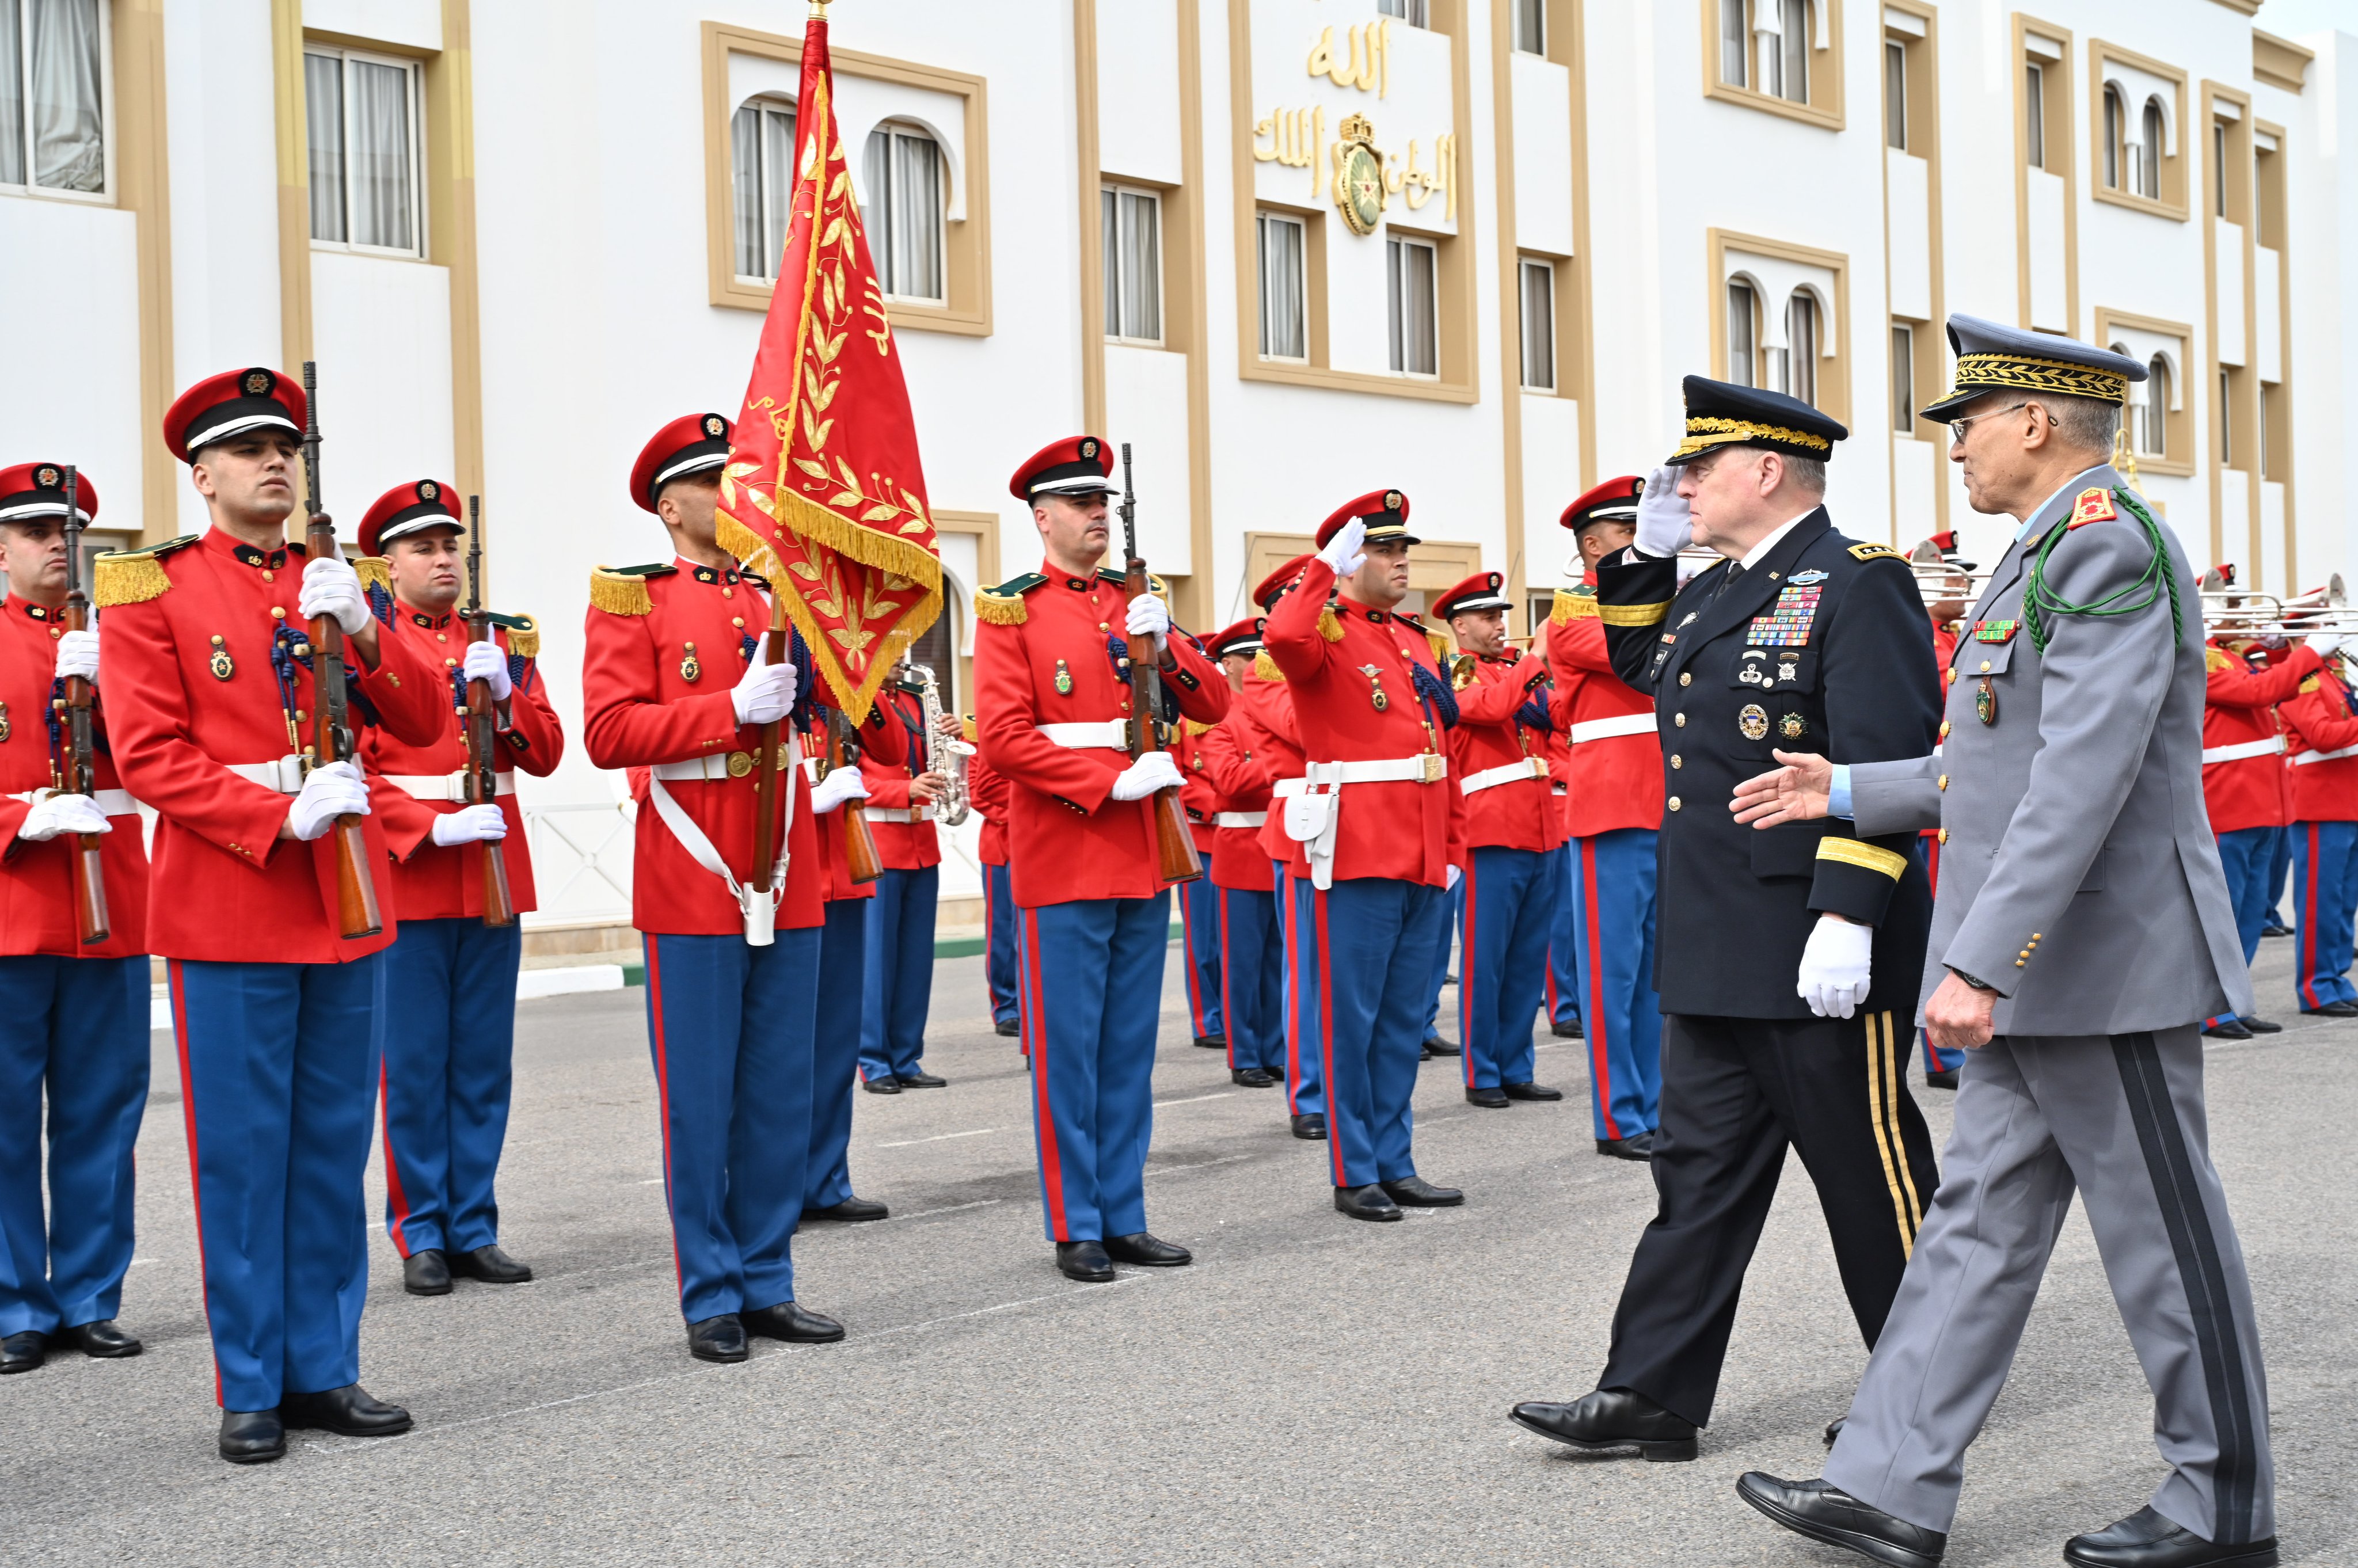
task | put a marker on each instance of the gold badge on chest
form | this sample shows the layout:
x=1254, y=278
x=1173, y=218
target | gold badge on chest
x=221, y=664
x=690, y=668
x=1375, y=693
x=1752, y=721
x=1064, y=679
x=1986, y=702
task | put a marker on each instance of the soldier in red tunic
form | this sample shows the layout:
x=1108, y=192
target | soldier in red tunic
x=1251, y=954
x=901, y=917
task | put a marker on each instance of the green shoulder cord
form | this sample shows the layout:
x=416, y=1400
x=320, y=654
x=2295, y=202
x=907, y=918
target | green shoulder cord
x=2040, y=601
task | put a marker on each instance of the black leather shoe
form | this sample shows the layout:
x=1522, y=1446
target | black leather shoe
x=792, y=1323
x=1489, y=1099
x=1010, y=1027
x=1311, y=1126
x=1434, y=1046
x=251, y=1437
x=490, y=1265
x=1415, y=1192
x=2226, y=1029
x=1831, y=1515
x=2260, y=1025
x=23, y=1352
x=2333, y=1009
x=1834, y=1429
x=1252, y=1078
x=1213, y=1042
x=1370, y=1202
x=2147, y=1540
x=719, y=1338
x=426, y=1273
x=1147, y=1251
x=850, y=1211
x=2273, y=929
x=1611, y=1418
x=349, y=1412
x=920, y=1080
x=880, y=1086
x=1942, y=1080
x=1637, y=1146
x=101, y=1340
x=1568, y=1030
x=1530, y=1091
x=1085, y=1261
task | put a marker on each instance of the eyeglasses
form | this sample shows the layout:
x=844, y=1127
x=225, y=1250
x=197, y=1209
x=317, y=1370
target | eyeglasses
x=1957, y=426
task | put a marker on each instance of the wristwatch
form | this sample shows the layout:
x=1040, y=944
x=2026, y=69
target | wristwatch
x=1974, y=981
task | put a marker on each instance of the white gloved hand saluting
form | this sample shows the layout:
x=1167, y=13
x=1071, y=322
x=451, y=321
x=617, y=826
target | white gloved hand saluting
x=2321, y=646
x=1664, y=525
x=1149, y=616
x=471, y=824
x=840, y=785
x=58, y=814
x=1152, y=772
x=1342, y=551
x=332, y=791
x=485, y=662
x=330, y=586
x=766, y=692
x=1836, y=966
x=78, y=656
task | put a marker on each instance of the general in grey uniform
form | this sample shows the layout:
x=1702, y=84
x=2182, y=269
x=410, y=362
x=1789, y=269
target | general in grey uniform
x=2082, y=933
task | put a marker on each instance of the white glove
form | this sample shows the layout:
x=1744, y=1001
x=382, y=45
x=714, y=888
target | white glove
x=471, y=824
x=78, y=656
x=1152, y=772
x=1149, y=616
x=2322, y=646
x=485, y=662
x=1457, y=875
x=58, y=814
x=766, y=692
x=330, y=586
x=842, y=785
x=333, y=790
x=1664, y=525
x=1342, y=551
x=1835, y=966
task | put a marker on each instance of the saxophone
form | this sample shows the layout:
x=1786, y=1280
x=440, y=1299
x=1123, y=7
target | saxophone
x=943, y=755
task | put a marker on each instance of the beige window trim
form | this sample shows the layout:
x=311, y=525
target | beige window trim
x=2193, y=388
x=983, y=526
x=2280, y=62
x=1834, y=370
x=2174, y=183
x=1825, y=108
x=965, y=242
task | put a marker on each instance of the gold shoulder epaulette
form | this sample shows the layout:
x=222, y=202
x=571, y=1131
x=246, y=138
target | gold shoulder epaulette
x=1573, y=604
x=1003, y=605
x=972, y=733
x=1869, y=552
x=1444, y=648
x=1194, y=726
x=622, y=590
x=134, y=576
x=2311, y=684
x=1266, y=667
x=2213, y=661
x=374, y=571
x=524, y=632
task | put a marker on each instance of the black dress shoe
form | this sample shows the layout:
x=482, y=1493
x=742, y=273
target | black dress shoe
x=880, y=1086
x=2260, y=1025
x=1010, y=1027
x=1434, y=1046
x=490, y=1265
x=1370, y=1202
x=2333, y=1009
x=920, y=1080
x=1611, y=1418
x=251, y=1437
x=349, y=1412
x=1415, y=1192
x=1637, y=1146
x=1829, y=1514
x=1568, y=1030
x=2273, y=929
x=101, y=1340
x=2147, y=1540
x=720, y=1339
x=23, y=1352
x=1834, y=1429
x=2227, y=1029
x=1085, y=1261
x=1213, y=1042
x=1147, y=1251
x=1941, y=1079
x=1312, y=1126
x=1489, y=1099
x=1252, y=1078
x=1530, y=1091
x=850, y=1211
x=792, y=1323
x=426, y=1273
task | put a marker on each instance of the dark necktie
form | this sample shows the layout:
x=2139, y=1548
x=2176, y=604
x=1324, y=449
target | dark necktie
x=1727, y=578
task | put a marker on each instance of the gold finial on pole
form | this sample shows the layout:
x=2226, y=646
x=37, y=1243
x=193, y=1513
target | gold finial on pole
x=2124, y=454
x=819, y=10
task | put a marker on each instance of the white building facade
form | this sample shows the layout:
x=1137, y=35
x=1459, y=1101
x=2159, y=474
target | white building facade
x=1290, y=250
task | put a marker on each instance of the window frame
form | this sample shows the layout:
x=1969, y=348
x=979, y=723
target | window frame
x=1412, y=12
x=1111, y=261
x=1398, y=306
x=1902, y=376
x=2170, y=173
x=1832, y=370
x=105, y=194
x=1526, y=266
x=1301, y=223
x=2034, y=113
x=415, y=70
x=1895, y=94
x=764, y=104
x=2180, y=458
x=1528, y=16
x=1823, y=105
x=877, y=210
x=1750, y=308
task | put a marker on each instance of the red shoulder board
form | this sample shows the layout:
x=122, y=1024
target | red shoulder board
x=2095, y=505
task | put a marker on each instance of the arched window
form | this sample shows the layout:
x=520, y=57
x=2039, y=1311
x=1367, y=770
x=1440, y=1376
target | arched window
x=1801, y=333
x=761, y=171
x=1743, y=333
x=906, y=210
x=2117, y=128
x=2154, y=437
x=2150, y=156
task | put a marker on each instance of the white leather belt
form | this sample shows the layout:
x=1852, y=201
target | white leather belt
x=718, y=766
x=113, y=802
x=284, y=775
x=1108, y=734
x=1238, y=819
x=1425, y=767
x=442, y=786
x=1512, y=773
x=2270, y=747
x=758, y=902
x=2334, y=756
x=898, y=813
x=1605, y=728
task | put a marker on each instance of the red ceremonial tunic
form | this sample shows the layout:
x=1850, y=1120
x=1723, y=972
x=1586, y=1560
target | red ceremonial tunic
x=1240, y=784
x=1199, y=794
x=189, y=634
x=1040, y=657
x=435, y=882
x=2239, y=708
x=1400, y=828
x=2317, y=719
x=1270, y=742
x=37, y=910
x=1617, y=780
x=882, y=736
x=894, y=748
x=1521, y=814
x=640, y=706
x=986, y=791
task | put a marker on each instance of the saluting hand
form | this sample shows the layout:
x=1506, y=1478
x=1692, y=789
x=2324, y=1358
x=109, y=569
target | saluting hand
x=1797, y=791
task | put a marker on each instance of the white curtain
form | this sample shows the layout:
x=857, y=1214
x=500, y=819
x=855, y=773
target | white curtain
x=745, y=168
x=68, y=136
x=777, y=183
x=916, y=217
x=1282, y=314
x=384, y=212
x=323, y=118
x=11, y=94
x=1133, y=265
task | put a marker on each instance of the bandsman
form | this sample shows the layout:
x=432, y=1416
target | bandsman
x=77, y=1011
x=1199, y=901
x=985, y=791
x=902, y=790
x=2320, y=724
x=1252, y=954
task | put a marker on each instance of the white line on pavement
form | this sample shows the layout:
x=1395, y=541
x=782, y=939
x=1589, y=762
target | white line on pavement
x=938, y=1138
x=1194, y=1100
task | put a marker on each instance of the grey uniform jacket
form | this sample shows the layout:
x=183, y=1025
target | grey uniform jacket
x=2079, y=874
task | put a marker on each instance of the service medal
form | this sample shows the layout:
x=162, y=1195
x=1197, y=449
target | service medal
x=1753, y=720
x=1787, y=671
x=1064, y=679
x=689, y=666
x=1986, y=702
x=1792, y=727
x=221, y=664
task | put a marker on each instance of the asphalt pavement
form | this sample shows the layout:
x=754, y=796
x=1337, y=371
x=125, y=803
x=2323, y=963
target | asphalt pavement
x=1313, y=1390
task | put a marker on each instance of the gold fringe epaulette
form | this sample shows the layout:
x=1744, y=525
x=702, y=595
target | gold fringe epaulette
x=621, y=591
x=973, y=732
x=374, y=571
x=1003, y=605
x=134, y=576
x=1573, y=604
x=1444, y=649
x=1194, y=727
x=524, y=633
x=1266, y=667
x=2213, y=661
x=1330, y=625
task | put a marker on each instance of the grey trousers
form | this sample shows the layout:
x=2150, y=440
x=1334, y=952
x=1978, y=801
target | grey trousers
x=2121, y=1120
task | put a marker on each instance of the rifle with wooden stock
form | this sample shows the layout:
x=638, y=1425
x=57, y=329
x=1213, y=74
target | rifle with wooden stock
x=481, y=726
x=79, y=774
x=358, y=913
x=1174, y=845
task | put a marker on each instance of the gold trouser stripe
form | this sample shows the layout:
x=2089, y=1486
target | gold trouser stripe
x=1871, y=857
x=1886, y=1134
x=1634, y=614
x=1895, y=1074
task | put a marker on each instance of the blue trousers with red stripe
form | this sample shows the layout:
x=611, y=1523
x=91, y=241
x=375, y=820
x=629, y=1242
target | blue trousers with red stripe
x=731, y=1028
x=1613, y=936
x=279, y=1072
x=448, y=1077
x=2246, y=855
x=77, y=1030
x=1252, y=977
x=1444, y=948
x=835, y=1053
x=900, y=972
x=999, y=944
x=1563, y=942
x=1199, y=919
x=1305, y=1082
x=1092, y=998
x=2324, y=894
x=1362, y=948
x=1509, y=911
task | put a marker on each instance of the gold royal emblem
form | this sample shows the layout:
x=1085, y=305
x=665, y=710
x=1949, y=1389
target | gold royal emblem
x=428, y=490
x=689, y=667
x=258, y=383
x=739, y=763
x=49, y=479
x=1753, y=720
x=1064, y=679
x=1360, y=191
x=1792, y=726
x=1375, y=693
x=221, y=664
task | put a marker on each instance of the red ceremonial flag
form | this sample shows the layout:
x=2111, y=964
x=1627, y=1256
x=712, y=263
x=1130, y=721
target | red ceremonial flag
x=824, y=494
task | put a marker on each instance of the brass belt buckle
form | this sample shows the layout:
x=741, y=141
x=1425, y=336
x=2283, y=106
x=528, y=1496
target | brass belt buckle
x=1436, y=769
